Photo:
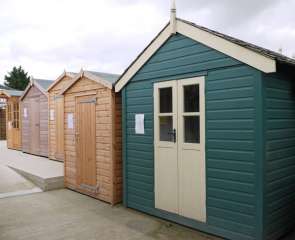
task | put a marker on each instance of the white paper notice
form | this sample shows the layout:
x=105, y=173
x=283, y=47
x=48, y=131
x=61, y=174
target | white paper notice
x=139, y=123
x=51, y=114
x=70, y=121
x=25, y=112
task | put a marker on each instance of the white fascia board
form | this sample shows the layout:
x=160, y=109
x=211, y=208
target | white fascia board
x=144, y=57
x=247, y=56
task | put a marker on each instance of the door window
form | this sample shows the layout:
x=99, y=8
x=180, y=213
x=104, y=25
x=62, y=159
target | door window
x=166, y=115
x=191, y=113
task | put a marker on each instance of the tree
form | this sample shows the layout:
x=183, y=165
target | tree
x=17, y=79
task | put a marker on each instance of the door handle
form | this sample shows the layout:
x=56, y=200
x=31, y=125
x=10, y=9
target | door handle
x=173, y=133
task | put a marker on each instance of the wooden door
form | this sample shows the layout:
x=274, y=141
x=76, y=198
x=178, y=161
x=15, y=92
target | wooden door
x=166, y=187
x=86, y=143
x=59, y=128
x=34, y=112
x=179, y=124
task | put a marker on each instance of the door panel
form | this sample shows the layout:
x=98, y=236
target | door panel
x=35, y=125
x=179, y=120
x=191, y=163
x=59, y=125
x=166, y=190
x=86, y=143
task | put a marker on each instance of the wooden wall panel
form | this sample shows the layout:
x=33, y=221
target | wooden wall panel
x=53, y=93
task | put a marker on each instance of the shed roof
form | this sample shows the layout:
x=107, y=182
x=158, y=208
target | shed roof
x=4, y=87
x=112, y=78
x=269, y=53
x=41, y=84
x=44, y=84
x=106, y=79
x=11, y=92
x=258, y=57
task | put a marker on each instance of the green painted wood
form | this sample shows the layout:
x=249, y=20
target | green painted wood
x=231, y=147
x=260, y=157
x=279, y=103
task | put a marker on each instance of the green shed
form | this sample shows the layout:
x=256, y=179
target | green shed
x=209, y=133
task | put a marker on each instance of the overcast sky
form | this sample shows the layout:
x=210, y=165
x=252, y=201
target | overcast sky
x=48, y=36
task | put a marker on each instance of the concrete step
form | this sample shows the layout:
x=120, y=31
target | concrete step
x=45, y=183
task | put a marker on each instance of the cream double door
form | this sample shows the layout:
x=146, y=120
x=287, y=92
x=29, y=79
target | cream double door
x=179, y=138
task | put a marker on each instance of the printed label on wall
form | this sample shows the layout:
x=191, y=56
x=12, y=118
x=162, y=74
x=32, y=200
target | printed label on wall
x=25, y=112
x=139, y=123
x=51, y=114
x=70, y=121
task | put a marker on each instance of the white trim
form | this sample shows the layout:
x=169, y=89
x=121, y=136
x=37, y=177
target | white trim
x=144, y=57
x=254, y=59
x=90, y=76
x=245, y=55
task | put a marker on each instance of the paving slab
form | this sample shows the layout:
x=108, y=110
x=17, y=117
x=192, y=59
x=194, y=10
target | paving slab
x=45, y=173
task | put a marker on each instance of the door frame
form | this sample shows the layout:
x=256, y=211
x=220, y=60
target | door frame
x=179, y=133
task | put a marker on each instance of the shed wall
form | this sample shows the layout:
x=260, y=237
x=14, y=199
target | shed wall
x=55, y=91
x=231, y=162
x=108, y=140
x=279, y=98
x=35, y=93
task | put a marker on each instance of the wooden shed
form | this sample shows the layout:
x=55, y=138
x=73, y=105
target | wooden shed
x=93, y=136
x=56, y=116
x=34, y=109
x=13, y=123
x=209, y=133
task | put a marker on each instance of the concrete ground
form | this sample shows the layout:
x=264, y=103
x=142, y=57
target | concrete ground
x=67, y=215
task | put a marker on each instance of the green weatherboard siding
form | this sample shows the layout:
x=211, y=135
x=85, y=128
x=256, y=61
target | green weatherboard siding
x=233, y=209
x=280, y=155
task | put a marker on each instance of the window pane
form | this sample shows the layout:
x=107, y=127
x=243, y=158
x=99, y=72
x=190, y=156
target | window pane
x=166, y=128
x=191, y=98
x=192, y=129
x=165, y=100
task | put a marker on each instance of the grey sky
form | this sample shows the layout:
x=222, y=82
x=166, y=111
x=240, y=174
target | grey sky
x=46, y=37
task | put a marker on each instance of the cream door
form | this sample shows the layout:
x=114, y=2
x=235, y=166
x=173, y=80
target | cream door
x=185, y=175
x=166, y=189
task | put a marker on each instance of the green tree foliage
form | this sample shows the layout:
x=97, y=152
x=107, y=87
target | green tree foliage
x=17, y=78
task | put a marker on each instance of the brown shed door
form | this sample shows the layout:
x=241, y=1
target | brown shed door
x=86, y=146
x=59, y=109
x=35, y=125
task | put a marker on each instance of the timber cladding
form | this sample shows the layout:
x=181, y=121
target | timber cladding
x=56, y=119
x=34, y=110
x=93, y=140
